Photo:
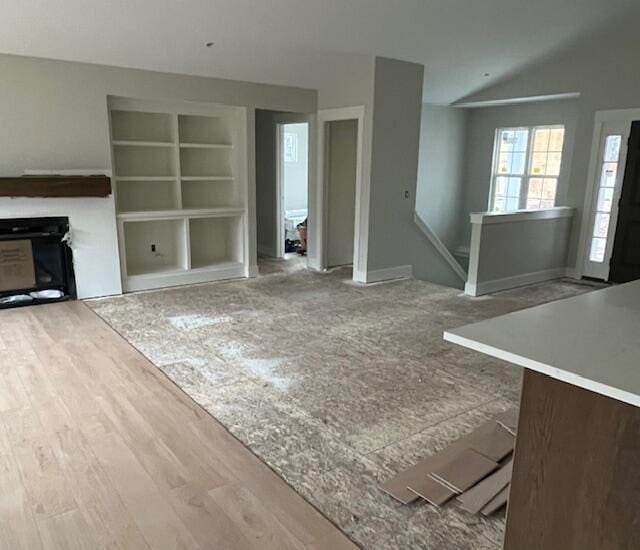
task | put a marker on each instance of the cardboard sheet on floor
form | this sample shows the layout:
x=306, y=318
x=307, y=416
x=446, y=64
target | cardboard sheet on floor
x=432, y=491
x=496, y=502
x=508, y=420
x=16, y=265
x=478, y=496
x=495, y=442
x=464, y=470
x=490, y=440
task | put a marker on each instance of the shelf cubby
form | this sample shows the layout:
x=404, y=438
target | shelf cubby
x=206, y=163
x=168, y=237
x=144, y=161
x=135, y=126
x=137, y=196
x=209, y=194
x=215, y=241
x=204, y=130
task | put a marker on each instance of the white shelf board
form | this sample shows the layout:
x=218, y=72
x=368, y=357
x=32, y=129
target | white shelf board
x=216, y=272
x=180, y=213
x=206, y=146
x=135, y=143
x=146, y=178
x=207, y=178
x=154, y=271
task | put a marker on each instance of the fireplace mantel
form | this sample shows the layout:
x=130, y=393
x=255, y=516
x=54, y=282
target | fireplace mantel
x=56, y=186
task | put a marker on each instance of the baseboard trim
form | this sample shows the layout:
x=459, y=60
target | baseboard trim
x=253, y=271
x=506, y=283
x=386, y=274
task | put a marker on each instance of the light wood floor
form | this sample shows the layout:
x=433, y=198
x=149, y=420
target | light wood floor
x=99, y=450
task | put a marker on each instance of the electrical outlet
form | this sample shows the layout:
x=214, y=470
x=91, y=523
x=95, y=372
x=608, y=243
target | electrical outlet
x=153, y=248
x=406, y=194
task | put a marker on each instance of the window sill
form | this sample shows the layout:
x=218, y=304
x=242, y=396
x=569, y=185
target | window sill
x=484, y=218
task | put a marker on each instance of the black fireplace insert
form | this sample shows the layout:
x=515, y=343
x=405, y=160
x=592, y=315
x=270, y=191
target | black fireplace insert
x=36, y=262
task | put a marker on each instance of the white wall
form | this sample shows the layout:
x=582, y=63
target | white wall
x=441, y=174
x=481, y=127
x=604, y=69
x=94, y=245
x=54, y=116
x=296, y=174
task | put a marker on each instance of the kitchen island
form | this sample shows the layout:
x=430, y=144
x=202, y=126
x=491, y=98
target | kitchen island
x=576, y=477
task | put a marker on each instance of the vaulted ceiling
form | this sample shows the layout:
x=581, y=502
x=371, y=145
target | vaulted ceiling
x=299, y=42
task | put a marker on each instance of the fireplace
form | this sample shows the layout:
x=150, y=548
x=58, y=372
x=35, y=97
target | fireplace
x=36, y=263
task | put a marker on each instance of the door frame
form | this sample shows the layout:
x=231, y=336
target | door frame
x=361, y=216
x=624, y=118
x=280, y=122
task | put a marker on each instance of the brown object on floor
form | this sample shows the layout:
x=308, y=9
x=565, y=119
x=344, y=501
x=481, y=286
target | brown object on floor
x=55, y=186
x=99, y=449
x=478, y=496
x=496, y=502
x=576, y=474
x=490, y=440
x=433, y=491
x=464, y=470
x=16, y=265
x=508, y=420
x=496, y=443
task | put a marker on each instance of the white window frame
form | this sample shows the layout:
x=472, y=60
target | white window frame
x=527, y=176
x=613, y=122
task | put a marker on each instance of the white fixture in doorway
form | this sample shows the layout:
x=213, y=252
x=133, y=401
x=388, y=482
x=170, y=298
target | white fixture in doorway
x=318, y=229
x=604, y=185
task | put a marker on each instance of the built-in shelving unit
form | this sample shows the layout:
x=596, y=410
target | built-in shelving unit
x=181, y=191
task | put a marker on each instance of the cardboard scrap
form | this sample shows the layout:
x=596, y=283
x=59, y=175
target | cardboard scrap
x=16, y=265
x=496, y=502
x=490, y=440
x=508, y=420
x=464, y=470
x=433, y=491
x=478, y=496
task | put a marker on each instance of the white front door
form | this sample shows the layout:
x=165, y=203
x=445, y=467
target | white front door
x=603, y=217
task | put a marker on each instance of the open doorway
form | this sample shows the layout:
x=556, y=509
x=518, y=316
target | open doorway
x=293, y=184
x=282, y=188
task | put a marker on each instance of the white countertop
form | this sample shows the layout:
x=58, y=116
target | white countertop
x=591, y=341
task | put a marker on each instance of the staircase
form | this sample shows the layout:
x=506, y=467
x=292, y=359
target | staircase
x=457, y=275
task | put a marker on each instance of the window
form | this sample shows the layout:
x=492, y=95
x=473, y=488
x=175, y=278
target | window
x=526, y=167
x=604, y=202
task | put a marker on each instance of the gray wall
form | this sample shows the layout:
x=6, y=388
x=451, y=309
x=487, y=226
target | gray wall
x=342, y=155
x=441, y=176
x=512, y=253
x=394, y=161
x=482, y=124
x=394, y=239
x=54, y=116
x=604, y=69
x=266, y=184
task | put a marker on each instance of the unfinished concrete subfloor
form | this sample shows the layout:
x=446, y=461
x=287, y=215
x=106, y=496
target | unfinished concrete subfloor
x=337, y=386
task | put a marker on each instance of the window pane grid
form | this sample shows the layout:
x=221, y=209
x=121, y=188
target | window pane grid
x=529, y=158
x=604, y=201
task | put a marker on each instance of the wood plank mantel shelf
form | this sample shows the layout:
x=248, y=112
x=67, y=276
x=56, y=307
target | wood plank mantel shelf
x=55, y=186
x=576, y=472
